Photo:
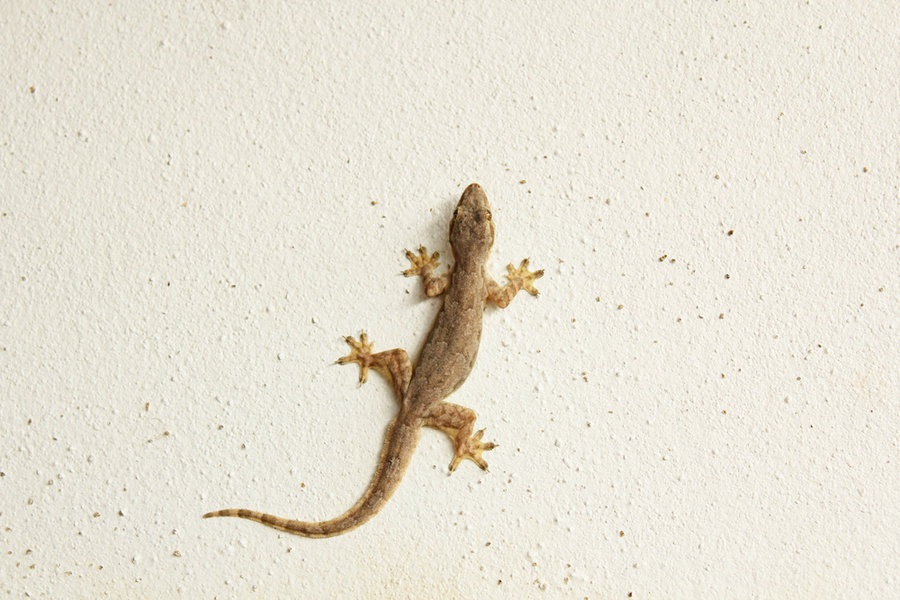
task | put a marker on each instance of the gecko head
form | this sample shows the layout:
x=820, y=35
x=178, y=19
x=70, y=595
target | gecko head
x=471, y=229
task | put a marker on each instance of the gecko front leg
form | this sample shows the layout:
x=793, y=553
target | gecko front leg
x=393, y=364
x=423, y=265
x=519, y=279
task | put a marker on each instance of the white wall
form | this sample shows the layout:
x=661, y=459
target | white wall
x=197, y=204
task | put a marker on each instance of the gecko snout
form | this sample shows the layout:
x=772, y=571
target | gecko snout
x=473, y=199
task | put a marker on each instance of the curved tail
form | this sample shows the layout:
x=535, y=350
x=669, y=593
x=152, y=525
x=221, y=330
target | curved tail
x=399, y=445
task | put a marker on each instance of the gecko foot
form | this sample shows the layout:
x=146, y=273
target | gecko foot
x=421, y=263
x=361, y=352
x=523, y=277
x=472, y=449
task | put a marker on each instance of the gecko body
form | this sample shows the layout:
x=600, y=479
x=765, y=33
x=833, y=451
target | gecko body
x=446, y=359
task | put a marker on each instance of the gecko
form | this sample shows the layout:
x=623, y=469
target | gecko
x=444, y=363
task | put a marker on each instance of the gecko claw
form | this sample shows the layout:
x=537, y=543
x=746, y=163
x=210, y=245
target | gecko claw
x=361, y=352
x=473, y=450
x=523, y=277
x=421, y=263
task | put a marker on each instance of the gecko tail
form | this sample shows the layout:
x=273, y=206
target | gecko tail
x=304, y=528
x=400, y=443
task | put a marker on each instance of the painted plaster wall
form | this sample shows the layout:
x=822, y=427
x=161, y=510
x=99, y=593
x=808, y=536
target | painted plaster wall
x=198, y=203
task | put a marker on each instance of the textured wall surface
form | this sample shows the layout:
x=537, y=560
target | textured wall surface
x=196, y=204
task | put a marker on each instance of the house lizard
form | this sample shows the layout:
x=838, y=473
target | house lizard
x=444, y=363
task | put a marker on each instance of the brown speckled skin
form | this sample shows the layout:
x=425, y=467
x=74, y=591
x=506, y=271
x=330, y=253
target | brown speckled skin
x=446, y=359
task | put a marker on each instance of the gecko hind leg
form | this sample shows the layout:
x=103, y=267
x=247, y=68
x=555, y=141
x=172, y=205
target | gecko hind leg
x=393, y=364
x=458, y=422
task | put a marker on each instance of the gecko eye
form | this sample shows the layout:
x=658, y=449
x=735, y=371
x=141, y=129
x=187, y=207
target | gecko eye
x=487, y=215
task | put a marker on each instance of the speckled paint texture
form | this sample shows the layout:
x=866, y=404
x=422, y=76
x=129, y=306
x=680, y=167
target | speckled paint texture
x=197, y=204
